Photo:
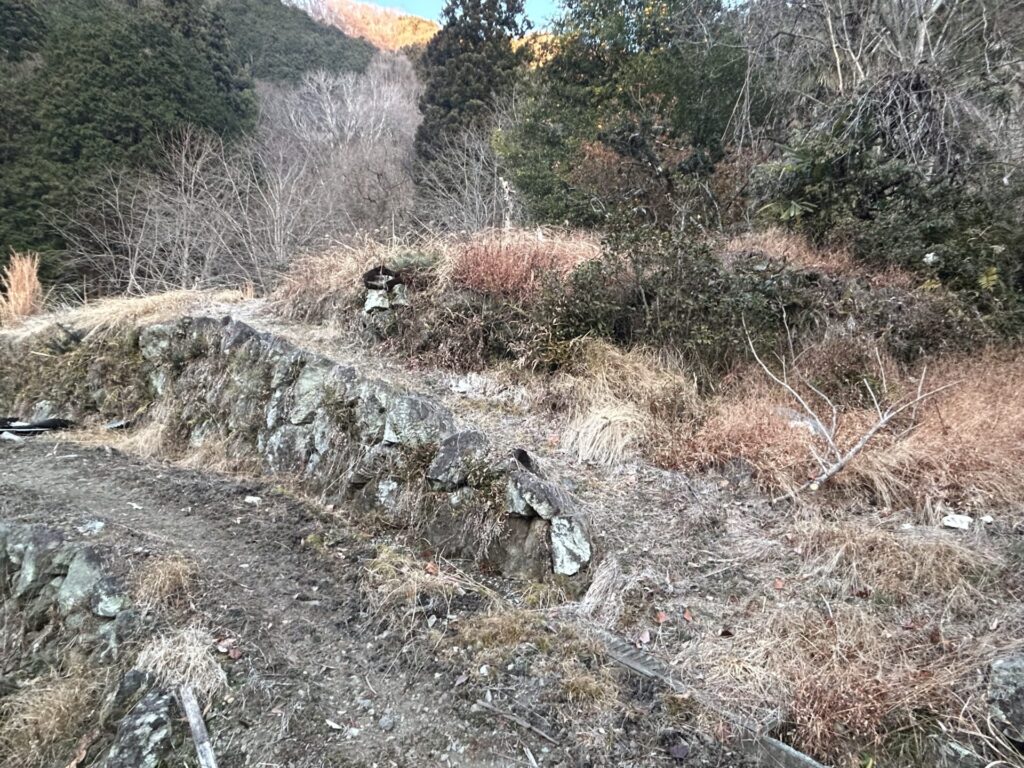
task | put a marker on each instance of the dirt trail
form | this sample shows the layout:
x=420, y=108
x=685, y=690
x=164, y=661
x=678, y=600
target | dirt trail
x=308, y=655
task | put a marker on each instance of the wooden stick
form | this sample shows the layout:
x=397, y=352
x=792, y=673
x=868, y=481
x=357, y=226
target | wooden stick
x=190, y=705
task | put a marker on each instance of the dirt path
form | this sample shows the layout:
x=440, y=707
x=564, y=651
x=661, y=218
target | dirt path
x=309, y=656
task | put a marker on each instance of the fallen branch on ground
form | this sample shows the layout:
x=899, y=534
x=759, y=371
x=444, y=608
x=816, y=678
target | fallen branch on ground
x=835, y=458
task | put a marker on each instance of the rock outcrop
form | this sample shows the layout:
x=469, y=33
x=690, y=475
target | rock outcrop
x=254, y=396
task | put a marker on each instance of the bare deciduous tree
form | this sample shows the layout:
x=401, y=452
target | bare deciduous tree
x=329, y=158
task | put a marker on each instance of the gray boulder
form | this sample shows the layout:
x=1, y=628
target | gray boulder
x=84, y=573
x=412, y=420
x=455, y=459
x=42, y=556
x=570, y=546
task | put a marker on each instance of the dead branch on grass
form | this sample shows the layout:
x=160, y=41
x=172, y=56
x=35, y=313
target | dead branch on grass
x=836, y=458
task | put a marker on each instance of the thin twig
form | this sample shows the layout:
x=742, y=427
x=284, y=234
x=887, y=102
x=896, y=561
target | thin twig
x=515, y=719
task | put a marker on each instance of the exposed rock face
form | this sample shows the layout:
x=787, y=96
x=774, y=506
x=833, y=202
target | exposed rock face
x=456, y=457
x=570, y=546
x=1006, y=695
x=144, y=735
x=300, y=415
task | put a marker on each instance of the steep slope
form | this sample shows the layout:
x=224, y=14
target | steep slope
x=386, y=28
x=280, y=42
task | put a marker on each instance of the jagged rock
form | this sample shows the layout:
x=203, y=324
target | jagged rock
x=84, y=573
x=412, y=420
x=143, y=736
x=399, y=296
x=307, y=393
x=370, y=401
x=372, y=463
x=128, y=623
x=288, y=448
x=108, y=598
x=456, y=457
x=531, y=496
x=525, y=549
x=42, y=556
x=570, y=546
x=1006, y=695
x=129, y=691
x=155, y=342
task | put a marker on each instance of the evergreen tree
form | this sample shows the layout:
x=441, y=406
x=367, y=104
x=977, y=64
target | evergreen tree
x=108, y=83
x=466, y=66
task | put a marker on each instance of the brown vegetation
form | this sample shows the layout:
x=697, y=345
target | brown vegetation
x=514, y=264
x=21, y=293
x=963, y=445
x=45, y=713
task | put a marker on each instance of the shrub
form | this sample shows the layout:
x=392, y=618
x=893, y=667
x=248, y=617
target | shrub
x=951, y=230
x=661, y=291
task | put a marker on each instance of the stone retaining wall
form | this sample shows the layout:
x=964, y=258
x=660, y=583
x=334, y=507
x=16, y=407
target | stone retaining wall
x=371, y=446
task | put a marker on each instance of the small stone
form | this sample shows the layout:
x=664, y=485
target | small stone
x=253, y=500
x=960, y=522
x=376, y=300
x=386, y=723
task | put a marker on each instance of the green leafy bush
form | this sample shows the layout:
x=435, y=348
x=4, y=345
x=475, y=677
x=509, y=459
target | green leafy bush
x=953, y=232
x=663, y=291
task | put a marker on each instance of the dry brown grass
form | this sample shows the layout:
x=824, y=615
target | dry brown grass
x=45, y=713
x=95, y=317
x=404, y=591
x=617, y=398
x=866, y=560
x=513, y=264
x=21, y=293
x=166, y=581
x=321, y=286
x=966, y=446
x=606, y=432
x=184, y=657
x=798, y=252
x=848, y=682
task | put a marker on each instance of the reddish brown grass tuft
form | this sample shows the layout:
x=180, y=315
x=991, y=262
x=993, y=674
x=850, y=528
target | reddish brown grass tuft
x=22, y=293
x=513, y=264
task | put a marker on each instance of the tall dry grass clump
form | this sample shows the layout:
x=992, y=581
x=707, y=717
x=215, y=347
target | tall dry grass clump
x=963, y=446
x=513, y=264
x=43, y=714
x=184, y=657
x=619, y=397
x=322, y=285
x=21, y=293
